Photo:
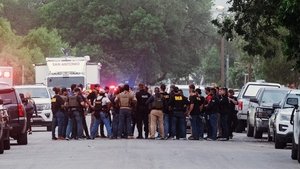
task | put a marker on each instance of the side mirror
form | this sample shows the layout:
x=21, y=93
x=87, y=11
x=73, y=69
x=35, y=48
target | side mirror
x=276, y=106
x=253, y=99
x=292, y=102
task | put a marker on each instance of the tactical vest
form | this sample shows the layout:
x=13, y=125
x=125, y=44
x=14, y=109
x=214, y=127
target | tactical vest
x=158, y=103
x=125, y=100
x=98, y=104
x=73, y=102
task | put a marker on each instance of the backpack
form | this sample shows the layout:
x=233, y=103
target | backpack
x=73, y=102
x=158, y=103
x=98, y=104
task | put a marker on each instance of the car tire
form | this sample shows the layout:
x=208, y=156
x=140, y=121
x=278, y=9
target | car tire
x=250, y=129
x=22, y=140
x=294, y=154
x=49, y=128
x=257, y=134
x=6, y=144
x=279, y=144
x=1, y=147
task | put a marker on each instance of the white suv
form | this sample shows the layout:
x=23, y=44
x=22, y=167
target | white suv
x=280, y=128
x=42, y=98
x=295, y=121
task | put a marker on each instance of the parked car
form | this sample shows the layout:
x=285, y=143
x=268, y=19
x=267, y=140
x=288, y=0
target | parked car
x=17, y=115
x=295, y=121
x=4, y=128
x=42, y=98
x=250, y=89
x=280, y=128
x=261, y=109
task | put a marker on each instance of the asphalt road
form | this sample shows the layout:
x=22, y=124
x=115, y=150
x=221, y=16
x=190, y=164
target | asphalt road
x=239, y=153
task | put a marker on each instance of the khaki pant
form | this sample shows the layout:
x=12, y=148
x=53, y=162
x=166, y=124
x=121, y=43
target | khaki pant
x=156, y=116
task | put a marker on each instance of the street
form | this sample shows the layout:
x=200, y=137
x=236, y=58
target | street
x=239, y=153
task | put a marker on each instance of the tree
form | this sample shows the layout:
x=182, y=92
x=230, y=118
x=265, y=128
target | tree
x=146, y=40
x=260, y=22
x=49, y=42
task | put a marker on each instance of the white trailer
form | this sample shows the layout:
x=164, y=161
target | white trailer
x=65, y=71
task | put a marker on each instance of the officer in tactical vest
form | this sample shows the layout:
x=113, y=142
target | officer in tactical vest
x=57, y=105
x=75, y=104
x=156, y=114
x=125, y=100
x=142, y=111
x=178, y=105
x=101, y=112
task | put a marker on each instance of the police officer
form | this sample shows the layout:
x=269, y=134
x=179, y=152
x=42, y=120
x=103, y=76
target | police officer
x=75, y=104
x=212, y=110
x=178, y=105
x=101, y=113
x=84, y=112
x=167, y=114
x=57, y=104
x=232, y=118
x=195, y=107
x=142, y=111
x=156, y=114
x=125, y=100
x=224, y=112
x=64, y=96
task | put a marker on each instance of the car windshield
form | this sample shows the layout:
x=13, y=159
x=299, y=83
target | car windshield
x=273, y=96
x=64, y=81
x=34, y=92
x=252, y=89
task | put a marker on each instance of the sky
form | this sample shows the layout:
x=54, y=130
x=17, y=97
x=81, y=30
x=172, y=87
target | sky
x=218, y=3
x=221, y=2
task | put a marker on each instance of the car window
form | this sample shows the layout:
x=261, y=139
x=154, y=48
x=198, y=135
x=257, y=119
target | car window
x=291, y=96
x=8, y=94
x=35, y=92
x=271, y=96
x=252, y=89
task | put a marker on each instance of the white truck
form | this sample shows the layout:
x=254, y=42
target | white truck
x=249, y=90
x=65, y=71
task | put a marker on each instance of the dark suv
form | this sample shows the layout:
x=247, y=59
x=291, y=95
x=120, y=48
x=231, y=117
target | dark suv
x=17, y=115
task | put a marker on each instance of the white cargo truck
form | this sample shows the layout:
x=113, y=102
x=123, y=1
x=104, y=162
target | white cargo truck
x=65, y=71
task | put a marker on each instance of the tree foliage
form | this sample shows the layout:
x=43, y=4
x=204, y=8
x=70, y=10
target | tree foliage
x=146, y=40
x=262, y=22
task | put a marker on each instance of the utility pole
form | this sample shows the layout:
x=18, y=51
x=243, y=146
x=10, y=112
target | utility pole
x=227, y=71
x=222, y=58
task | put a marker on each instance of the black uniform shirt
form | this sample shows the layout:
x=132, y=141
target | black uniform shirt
x=56, y=103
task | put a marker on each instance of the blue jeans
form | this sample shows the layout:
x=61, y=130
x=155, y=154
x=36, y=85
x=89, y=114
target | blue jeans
x=197, y=126
x=124, y=123
x=103, y=118
x=213, y=124
x=77, y=119
x=167, y=125
x=60, y=117
x=224, y=125
x=178, y=119
x=115, y=124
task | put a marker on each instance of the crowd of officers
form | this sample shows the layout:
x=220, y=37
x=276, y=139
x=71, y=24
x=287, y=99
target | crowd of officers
x=160, y=115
